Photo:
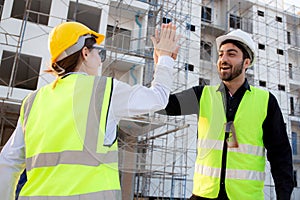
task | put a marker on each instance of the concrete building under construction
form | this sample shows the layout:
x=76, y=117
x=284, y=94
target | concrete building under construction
x=157, y=152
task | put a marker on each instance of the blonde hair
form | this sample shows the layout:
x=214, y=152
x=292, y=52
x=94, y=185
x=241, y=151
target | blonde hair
x=57, y=71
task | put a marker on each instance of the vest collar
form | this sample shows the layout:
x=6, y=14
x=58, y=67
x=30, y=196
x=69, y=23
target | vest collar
x=222, y=87
x=67, y=74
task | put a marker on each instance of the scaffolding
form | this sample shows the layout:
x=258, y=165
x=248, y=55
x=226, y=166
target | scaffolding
x=160, y=168
x=157, y=152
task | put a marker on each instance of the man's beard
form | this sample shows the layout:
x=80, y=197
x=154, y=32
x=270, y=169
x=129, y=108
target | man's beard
x=229, y=76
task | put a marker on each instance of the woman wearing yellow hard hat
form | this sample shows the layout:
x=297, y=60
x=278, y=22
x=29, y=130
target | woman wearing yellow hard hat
x=66, y=133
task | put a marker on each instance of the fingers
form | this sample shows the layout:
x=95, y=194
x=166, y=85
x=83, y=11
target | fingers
x=154, y=41
x=156, y=35
x=165, y=42
x=168, y=31
x=163, y=32
x=172, y=32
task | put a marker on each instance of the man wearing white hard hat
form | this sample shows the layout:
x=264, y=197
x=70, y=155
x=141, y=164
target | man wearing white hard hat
x=237, y=124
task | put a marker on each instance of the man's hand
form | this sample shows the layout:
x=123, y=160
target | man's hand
x=165, y=43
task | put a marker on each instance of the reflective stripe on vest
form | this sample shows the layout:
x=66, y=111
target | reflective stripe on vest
x=71, y=157
x=107, y=194
x=230, y=174
x=27, y=107
x=244, y=178
x=243, y=148
x=72, y=153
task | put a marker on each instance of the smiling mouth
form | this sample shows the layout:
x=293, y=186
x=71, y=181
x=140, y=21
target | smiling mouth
x=225, y=68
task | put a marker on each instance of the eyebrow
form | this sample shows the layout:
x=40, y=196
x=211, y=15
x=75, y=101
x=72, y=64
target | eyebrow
x=229, y=50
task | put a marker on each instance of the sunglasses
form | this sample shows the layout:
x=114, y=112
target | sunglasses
x=101, y=52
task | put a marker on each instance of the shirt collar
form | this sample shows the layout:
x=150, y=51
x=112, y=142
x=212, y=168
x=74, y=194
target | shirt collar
x=246, y=86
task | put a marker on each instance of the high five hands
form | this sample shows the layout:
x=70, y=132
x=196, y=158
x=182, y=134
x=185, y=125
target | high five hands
x=165, y=42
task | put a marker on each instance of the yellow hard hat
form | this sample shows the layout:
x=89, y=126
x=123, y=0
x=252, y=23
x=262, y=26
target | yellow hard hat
x=66, y=35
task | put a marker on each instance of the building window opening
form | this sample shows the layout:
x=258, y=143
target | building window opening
x=206, y=14
x=280, y=51
x=26, y=74
x=88, y=15
x=261, y=46
x=38, y=12
x=289, y=37
x=206, y=51
x=260, y=13
x=262, y=83
x=278, y=19
x=290, y=71
x=281, y=87
x=166, y=20
x=189, y=67
x=235, y=21
x=190, y=27
x=117, y=38
x=292, y=108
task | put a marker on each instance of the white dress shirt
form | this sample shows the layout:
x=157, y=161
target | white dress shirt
x=126, y=101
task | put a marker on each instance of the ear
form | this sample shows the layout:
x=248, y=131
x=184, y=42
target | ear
x=247, y=63
x=85, y=52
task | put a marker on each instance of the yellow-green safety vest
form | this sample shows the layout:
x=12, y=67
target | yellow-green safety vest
x=245, y=168
x=64, y=134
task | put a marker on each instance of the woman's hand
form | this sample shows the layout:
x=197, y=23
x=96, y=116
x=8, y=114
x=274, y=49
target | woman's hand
x=165, y=43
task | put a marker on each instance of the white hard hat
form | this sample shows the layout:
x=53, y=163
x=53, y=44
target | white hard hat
x=243, y=38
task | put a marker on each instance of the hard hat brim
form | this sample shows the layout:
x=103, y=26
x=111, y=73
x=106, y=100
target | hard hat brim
x=99, y=37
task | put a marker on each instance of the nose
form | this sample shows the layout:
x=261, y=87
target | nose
x=223, y=58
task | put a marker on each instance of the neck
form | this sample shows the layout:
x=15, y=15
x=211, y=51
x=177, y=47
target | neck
x=234, y=85
x=83, y=68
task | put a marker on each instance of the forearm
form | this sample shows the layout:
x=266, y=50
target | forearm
x=135, y=100
x=12, y=163
x=164, y=73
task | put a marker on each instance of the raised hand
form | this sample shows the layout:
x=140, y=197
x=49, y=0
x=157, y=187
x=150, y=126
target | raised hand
x=165, y=43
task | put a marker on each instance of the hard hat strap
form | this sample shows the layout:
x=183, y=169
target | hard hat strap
x=74, y=48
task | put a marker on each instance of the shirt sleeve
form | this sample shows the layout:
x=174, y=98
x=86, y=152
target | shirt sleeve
x=185, y=102
x=279, y=151
x=129, y=100
x=12, y=163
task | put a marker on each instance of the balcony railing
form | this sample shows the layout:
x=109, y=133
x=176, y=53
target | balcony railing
x=124, y=43
x=118, y=41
